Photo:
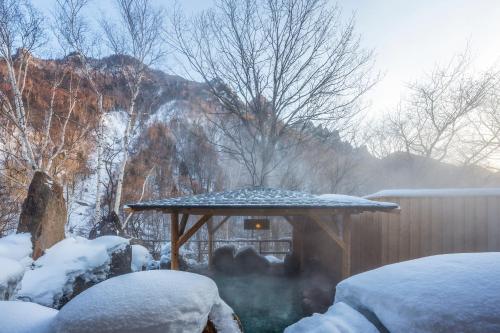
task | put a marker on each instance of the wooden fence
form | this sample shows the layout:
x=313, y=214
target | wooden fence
x=429, y=222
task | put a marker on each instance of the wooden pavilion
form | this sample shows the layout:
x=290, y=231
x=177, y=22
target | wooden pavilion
x=331, y=214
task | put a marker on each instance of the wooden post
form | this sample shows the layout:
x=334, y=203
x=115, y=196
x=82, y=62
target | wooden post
x=210, y=242
x=174, y=241
x=346, y=238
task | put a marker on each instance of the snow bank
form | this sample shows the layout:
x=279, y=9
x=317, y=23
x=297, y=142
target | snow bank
x=25, y=317
x=17, y=247
x=141, y=257
x=149, y=301
x=444, y=293
x=340, y=318
x=11, y=273
x=54, y=274
x=440, y=192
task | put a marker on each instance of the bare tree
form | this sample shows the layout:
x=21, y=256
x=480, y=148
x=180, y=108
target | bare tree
x=429, y=120
x=273, y=66
x=21, y=33
x=481, y=139
x=74, y=34
x=136, y=40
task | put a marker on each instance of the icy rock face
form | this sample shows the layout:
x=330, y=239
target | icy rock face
x=340, y=318
x=443, y=293
x=25, y=317
x=71, y=266
x=148, y=302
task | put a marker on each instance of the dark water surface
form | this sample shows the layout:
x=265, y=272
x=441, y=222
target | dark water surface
x=264, y=303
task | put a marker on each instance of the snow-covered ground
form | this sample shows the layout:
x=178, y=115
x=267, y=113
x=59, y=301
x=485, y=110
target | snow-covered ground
x=340, y=318
x=54, y=273
x=150, y=301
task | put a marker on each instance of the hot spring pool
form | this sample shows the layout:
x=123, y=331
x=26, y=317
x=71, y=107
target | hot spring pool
x=264, y=303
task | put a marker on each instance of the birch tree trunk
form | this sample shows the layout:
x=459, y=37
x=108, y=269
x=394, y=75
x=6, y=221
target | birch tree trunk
x=97, y=210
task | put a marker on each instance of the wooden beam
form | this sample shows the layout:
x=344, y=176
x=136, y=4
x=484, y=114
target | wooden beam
x=289, y=219
x=174, y=241
x=298, y=234
x=346, y=236
x=185, y=237
x=230, y=211
x=328, y=229
x=210, y=243
x=184, y=221
x=224, y=220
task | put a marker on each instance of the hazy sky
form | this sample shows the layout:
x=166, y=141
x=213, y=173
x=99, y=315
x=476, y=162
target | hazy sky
x=408, y=36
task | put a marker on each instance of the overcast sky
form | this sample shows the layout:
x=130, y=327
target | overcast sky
x=408, y=36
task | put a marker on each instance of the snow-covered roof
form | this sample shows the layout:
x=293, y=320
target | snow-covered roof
x=439, y=192
x=259, y=198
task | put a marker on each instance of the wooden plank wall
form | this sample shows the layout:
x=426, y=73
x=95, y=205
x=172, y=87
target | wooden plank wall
x=425, y=226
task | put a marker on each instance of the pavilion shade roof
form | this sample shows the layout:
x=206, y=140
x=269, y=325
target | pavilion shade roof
x=262, y=198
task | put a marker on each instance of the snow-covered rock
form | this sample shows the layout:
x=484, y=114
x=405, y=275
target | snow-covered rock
x=17, y=247
x=148, y=302
x=340, y=318
x=443, y=293
x=141, y=258
x=52, y=280
x=187, y=256
x=25, y=317
x=11, y=273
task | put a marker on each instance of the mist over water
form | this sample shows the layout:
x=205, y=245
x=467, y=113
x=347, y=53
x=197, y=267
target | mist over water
x=264, y=303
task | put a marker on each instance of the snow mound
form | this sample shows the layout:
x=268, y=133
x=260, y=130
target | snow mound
x=25, y=317
x=54, y=274
x=443, y=293
x=339, y=318
x=11, y=273
x=17, y=247
x=148, y=302
x=141, y=258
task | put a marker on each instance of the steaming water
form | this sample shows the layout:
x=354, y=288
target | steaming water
x=264, y=303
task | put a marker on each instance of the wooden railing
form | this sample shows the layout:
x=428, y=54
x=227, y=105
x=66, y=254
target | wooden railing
x=263, y=246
